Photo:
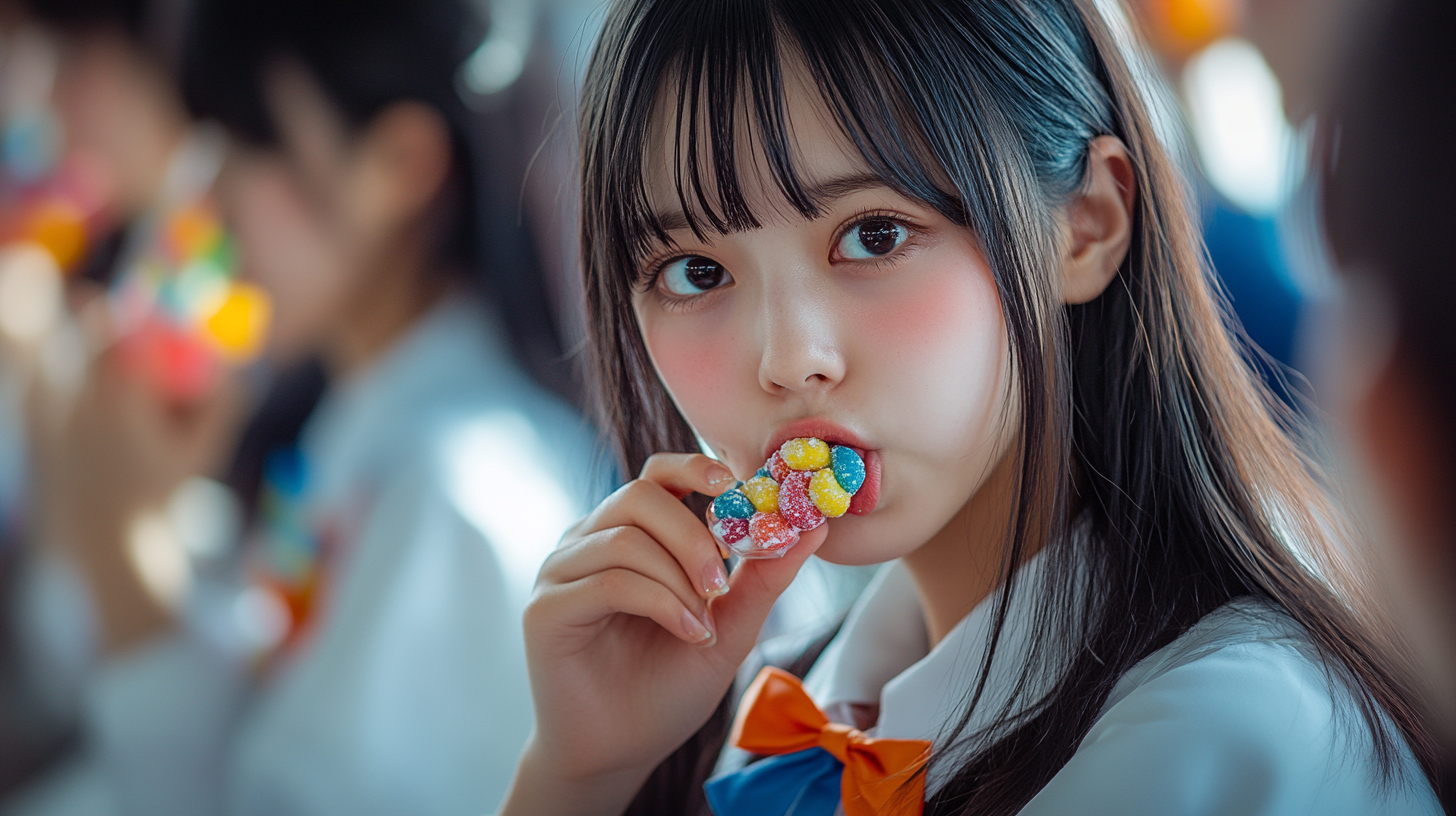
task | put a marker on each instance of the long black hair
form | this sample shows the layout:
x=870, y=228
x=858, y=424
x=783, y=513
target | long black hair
x=1152, y=464
x=366, y=55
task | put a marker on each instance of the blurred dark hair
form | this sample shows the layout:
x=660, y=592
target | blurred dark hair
x=127, y=15
x=367, y=55
x=1152, y=462
x=1390, y=181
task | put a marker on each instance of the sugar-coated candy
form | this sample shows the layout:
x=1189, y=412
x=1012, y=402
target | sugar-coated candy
x=733, y=504
x=763, y=492
x=778, y=468
x=770, y=531
x=730, y=530
x=795, y=504
x=831, y=499
x=849, y=468
x=805, y=454
x=804, y=482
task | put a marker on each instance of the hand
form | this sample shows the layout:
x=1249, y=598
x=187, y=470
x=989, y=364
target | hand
x=113, y=449
x=633, y=635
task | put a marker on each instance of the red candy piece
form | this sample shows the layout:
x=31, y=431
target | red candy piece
x=795, y=504
x=731, y=530
x=771, y=531
x=778, y=468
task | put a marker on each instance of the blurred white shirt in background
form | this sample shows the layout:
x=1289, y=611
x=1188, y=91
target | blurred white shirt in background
x=448, y=477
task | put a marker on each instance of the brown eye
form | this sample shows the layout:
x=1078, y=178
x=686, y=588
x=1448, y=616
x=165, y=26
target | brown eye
x=693, y=275
x=872, y=238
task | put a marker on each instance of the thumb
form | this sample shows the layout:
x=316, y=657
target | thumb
x=754, y=587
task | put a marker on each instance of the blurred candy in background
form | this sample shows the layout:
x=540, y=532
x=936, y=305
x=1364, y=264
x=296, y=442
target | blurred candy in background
x=180, y=312
x=51, y=204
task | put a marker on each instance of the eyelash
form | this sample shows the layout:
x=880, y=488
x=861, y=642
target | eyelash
x=912, y=230
x=650, y=283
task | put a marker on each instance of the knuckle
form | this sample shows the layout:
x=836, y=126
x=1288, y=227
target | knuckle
x=655, y=461
x=638, y=490
x=611, y=582
x=551, y=567
x=625, y=537
x=538, y=609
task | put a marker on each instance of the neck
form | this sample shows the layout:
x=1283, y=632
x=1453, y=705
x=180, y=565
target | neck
x=400, y=292
x=961, y=565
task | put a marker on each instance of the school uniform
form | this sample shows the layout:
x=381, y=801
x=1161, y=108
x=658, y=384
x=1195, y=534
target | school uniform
x=437, y=481
x=1236, y=716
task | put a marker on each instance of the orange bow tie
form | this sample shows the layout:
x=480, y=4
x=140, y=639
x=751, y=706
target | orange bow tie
x=881, y=776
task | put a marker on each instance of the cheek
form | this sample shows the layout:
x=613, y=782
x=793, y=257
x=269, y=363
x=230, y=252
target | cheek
x=703, y=365
x=936, y=356
x=283, y=249
x=942, y=341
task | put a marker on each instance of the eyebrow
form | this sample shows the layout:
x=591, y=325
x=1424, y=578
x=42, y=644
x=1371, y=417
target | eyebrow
x=823, y=194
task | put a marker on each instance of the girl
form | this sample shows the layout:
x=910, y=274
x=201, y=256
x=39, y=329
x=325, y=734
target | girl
x=941, y=232
x=344, y=673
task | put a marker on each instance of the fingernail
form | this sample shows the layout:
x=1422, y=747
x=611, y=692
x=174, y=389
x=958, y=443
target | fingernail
x=695, y=628
x=715, y=579
x=718, y=474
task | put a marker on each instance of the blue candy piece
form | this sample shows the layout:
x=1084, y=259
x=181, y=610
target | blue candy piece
x=733, y=504
x=763, y=471
x=849, y=469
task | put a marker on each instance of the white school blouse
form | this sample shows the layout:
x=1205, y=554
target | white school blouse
x=1234, y=717
x=451, y=476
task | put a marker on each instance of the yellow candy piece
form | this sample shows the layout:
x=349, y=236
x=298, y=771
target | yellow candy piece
x=763, y=493
x=805, y=454
x=831, y=499
x=240, y=324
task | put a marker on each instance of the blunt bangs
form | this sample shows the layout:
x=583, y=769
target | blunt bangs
x=724, y=80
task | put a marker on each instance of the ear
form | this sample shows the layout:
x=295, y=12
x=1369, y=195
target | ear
x=1098, y=227
x=402, y=161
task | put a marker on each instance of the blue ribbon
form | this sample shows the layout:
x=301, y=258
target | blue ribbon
x=804, y=783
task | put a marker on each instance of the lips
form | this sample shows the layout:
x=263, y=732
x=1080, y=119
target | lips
x=868, y=496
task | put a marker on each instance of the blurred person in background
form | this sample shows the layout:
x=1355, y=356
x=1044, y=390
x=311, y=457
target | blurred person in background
x=98, y=149
x=362, y=655
x=1389, y=203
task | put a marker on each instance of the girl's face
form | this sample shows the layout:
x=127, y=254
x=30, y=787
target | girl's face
x=286, y=246
x=876, y=325
x=290, y=210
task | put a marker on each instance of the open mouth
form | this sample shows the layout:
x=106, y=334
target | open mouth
x=868, y=496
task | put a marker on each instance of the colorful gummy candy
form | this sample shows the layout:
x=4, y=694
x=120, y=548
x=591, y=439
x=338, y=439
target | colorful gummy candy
x=182, y=312
x=803, y=483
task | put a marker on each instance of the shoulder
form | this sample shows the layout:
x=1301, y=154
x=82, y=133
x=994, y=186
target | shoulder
x=461, y=455
x=1239, y=715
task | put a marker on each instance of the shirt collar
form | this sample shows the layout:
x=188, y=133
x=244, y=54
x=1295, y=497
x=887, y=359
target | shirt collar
x=882, y=654
x=365, y=421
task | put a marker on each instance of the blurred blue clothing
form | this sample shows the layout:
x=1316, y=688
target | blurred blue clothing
x=1247, y=256
x=445, y=476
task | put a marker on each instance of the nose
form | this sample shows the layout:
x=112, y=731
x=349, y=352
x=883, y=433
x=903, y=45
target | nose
x=802, y=352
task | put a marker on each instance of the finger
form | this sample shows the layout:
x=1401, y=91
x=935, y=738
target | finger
x=624, y=548
x=649, y=506
x=588, y=601
x=684, y=473
x=757, y=584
